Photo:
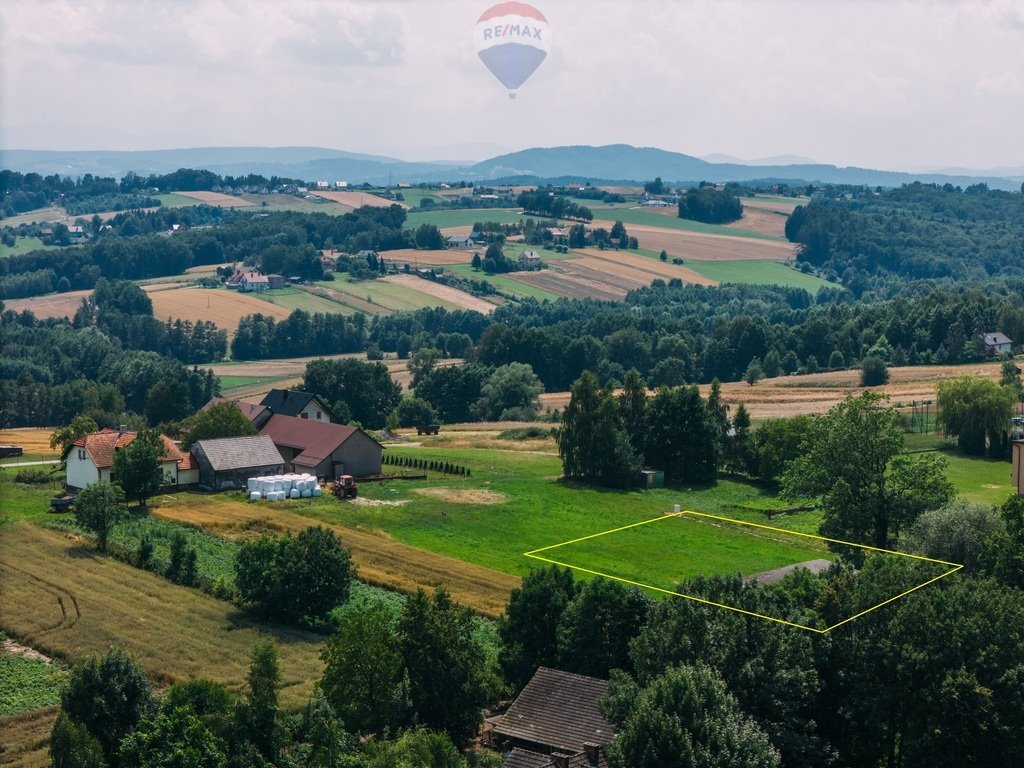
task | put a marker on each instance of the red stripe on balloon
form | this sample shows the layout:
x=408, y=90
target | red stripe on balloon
x=512, y=9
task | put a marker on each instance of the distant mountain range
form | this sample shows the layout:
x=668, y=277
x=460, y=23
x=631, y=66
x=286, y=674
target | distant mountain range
x=612, y=163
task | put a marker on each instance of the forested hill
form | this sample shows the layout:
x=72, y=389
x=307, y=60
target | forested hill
x=868, y=239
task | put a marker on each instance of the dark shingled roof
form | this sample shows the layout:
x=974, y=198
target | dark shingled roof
x=559, y=710
x=290, y=402
x=524, y=758
x=227, y=453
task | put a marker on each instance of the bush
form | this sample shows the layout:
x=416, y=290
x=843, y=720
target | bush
x=32, y=477
x=873, y=372
x=525, y=433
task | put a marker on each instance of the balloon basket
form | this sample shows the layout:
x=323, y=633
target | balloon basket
x=512, y=94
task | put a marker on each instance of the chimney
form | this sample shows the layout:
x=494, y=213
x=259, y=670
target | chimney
x=592, y=751
x=560, y=760
x=122, y=428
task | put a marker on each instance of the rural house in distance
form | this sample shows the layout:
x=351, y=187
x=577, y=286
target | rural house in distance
x=997, y=343
x=304, y=405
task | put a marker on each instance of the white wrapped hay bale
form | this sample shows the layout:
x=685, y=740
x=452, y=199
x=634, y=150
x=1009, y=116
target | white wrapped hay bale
x=255, y=496
x=307, y=494
x=294, y=493
x=250, y=484
x=317, y=491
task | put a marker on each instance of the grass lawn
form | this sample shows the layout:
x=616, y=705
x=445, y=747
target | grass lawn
x=977, y=479
x=513, y=503
x=465, y=217
x=502, y=282
x=629, y=213
x=387, y=295
x=24, y=245
x=172, y=200
x=227, y=383
x=295, y=298
x=757, y=272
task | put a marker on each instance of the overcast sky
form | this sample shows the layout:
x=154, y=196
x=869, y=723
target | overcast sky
x=886, y=83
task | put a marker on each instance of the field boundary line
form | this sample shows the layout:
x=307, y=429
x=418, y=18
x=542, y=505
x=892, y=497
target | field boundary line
x=953, y=567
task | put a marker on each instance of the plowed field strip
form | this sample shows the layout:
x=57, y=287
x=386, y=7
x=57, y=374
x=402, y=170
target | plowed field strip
x=632, y=265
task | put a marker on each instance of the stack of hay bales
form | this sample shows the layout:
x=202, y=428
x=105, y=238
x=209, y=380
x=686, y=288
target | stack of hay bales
x=281, y=487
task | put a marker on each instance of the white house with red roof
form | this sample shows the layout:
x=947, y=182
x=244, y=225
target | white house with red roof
x=91, y=458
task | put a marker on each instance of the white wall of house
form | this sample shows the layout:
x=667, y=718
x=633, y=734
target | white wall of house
x=81, y=469
x=314, y=411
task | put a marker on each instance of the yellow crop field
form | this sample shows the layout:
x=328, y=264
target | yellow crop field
x=223, y=307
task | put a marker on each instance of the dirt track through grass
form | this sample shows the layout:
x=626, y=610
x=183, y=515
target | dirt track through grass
x=380, y=560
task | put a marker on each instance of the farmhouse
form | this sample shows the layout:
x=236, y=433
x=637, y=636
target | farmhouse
x=555, y=721
x=91, y=458
x=529, y=260
x=254, y=282
x=304, y=405
x=228, y=462
x=323, y=449
x=460, y=241
x=996, y=343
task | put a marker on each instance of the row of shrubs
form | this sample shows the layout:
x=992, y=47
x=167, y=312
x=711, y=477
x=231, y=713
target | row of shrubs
x=431, y=465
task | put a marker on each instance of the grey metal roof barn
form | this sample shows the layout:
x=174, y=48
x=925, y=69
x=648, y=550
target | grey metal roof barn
x=228, y=462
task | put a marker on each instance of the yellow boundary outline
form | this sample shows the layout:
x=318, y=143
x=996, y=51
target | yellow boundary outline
x=534, y=554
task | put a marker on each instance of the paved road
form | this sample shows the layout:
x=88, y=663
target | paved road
x=30, y=463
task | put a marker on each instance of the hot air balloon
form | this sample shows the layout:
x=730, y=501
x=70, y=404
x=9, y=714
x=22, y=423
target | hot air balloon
x=512, y=39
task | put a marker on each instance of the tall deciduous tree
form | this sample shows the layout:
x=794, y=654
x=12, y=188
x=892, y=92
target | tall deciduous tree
x=98, y=508
x=294, y=579
x=80, y=426
x=444, y=663
x=260, y=712
x=511, y=392
x=973, y=409
x=844, y=460
x=366, y=390
x=596, y=627
x=529, y=626
x=219, y=420
x=107, y=697
x=681, y=437
x=686, y=719
x=363, y=668
x=137, y=466
x=592, y=441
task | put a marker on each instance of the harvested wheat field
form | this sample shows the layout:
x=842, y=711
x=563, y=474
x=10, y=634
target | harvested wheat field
x=34, y=440
x=25, y=739
x=575, y=281
x=460, y=299
x=815, y=393
x=414, y=257
x=379, y=559
x=704, y=247
x=763, y=220
x=52, y=305
x=354, y=199
x=463, y=495
x=65, y=600
x=216, y=198
x=624, y=264
x=223, y=307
